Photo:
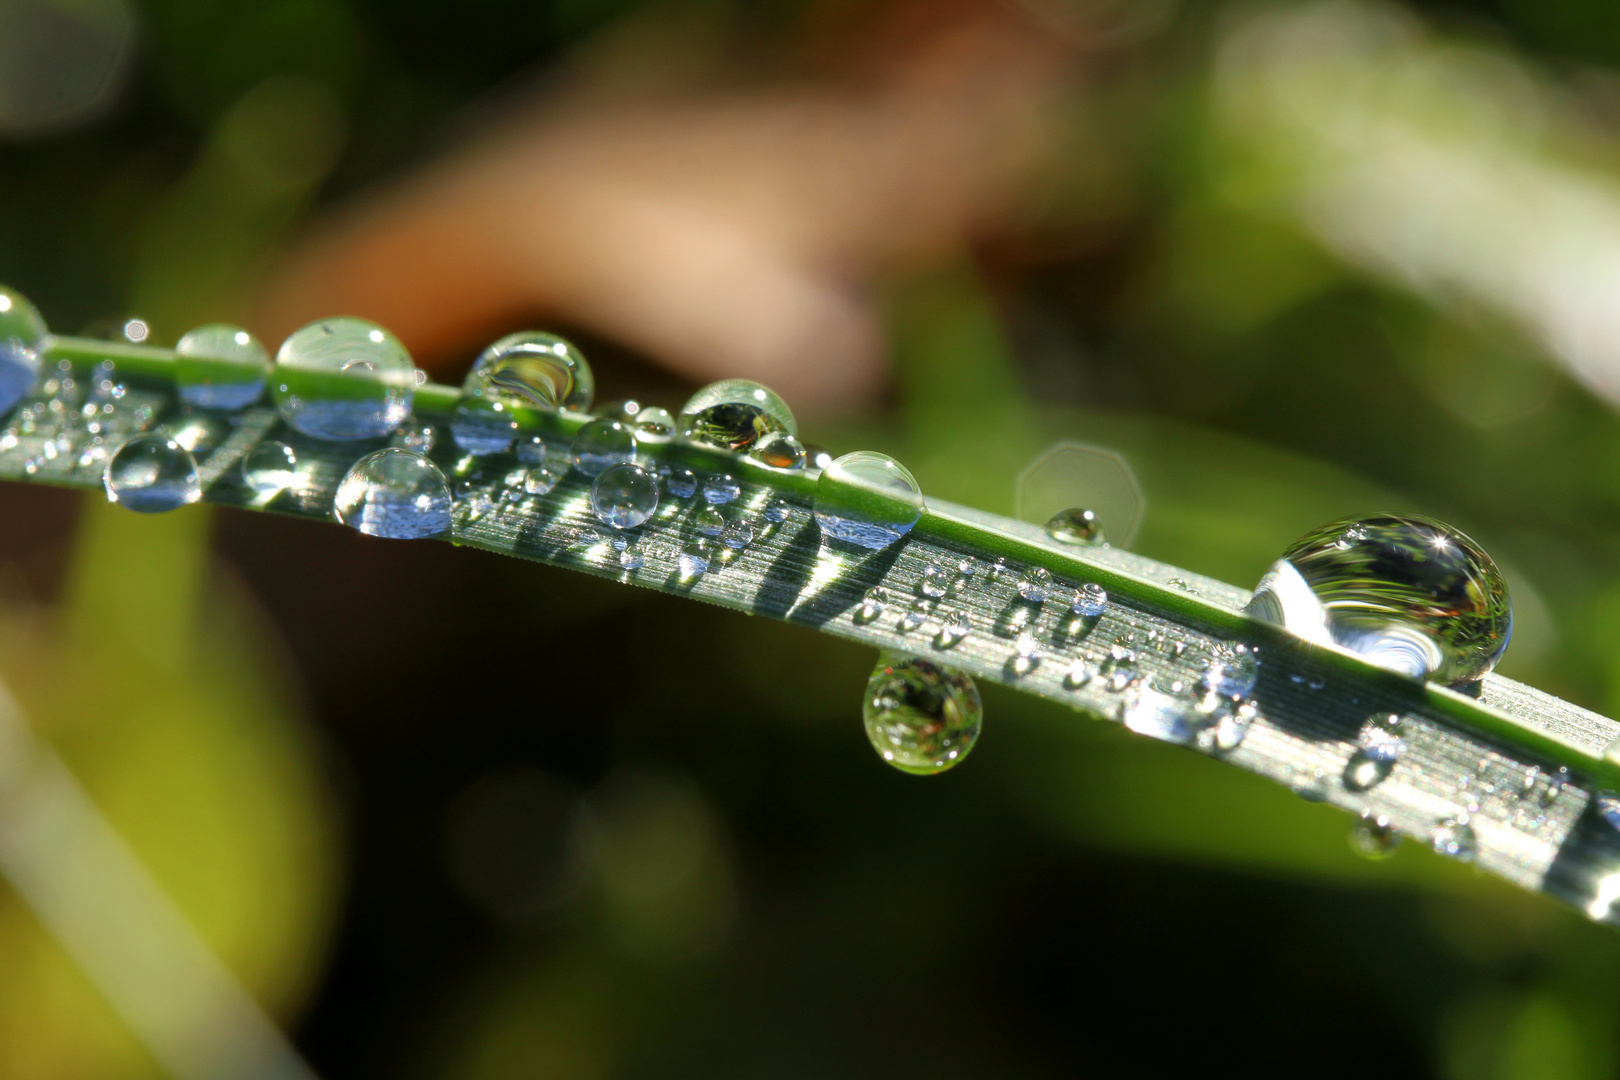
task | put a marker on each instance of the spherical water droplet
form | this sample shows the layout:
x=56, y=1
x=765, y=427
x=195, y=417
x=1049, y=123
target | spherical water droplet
x=780, y=450
x=631, y=559
x=624, y=496
x=709, y=521
x=721, y=489
x=540, y=480
x=529, y=370
x=602, y=444
x=682, y=483
x=272, y=466
x=1233, y=670
x=967, y=568
x=394, y=493
x=1078, y=675
x=654, y=422
x=695, y=558
x=22, y=332
x=1090, y=600
x=419, y=437
x=738, y=534
x=219, y=366
x=867, y=499
x=912, y=619
x=1161, y=714
x=933, y=581
x=343, y=379
x=152, y=473
x=778, y=511
x=1076, y=525
x=483, y=433
x=1408, y=593
x=735, y=414
x=921, y=717
x=1035, y=584
x=873, y=603
x=1454, y=837
x=1373, y=837
x=954, y=627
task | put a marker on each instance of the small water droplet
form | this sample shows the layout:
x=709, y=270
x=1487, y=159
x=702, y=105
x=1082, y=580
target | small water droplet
x=1455, y=837
x=721, y=489
x=967, y=568
x=1027, y=656
x=921, y=717
x=22, y=331
x=1316, y=682
x=1233, y=670
x=624, y=496
x=734, y=414
x=343, y=379
x=738, y=534
x=867, y=499
x=540, y=480
x=778, y=511
x=1165, y=714
x=779, y=450
x=695, y=558
x=631, y=558
x=220, y=367
x=1076, y=526
x=150, y=474
x=955, y=625
x=682, y=483
x=421, y=438
x=1035, y=584
x=1233, y=727
x=913, y=618
x=1373, y=837
x=933, y=581
x=1406, y=592
x=1090, y=600
x=394, y=493
x=873, y=604
x=602, y=444
x=272, y=466
x=1079, y=674
x=709, y=521
x=529, y=370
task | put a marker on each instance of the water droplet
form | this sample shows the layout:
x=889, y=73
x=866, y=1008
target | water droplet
x=695, y=558
x=272, y=466
x=419, y=437
x=921, y=717
x=682, y=483
x=721, y=489
x=1453, y=836
x=867, y=499
x=540, y=480
x=873, y=604
x=624, y=496
x=709, y=521
x=1035, y=584
x=1373, y=837
x=1027, y=654
x=738, y=534
x=913, y=618
x=967, y=568
x=955, y=625
x=735, y=414
x=631, y=558
x=933, y=581
x=601, y=444
x=1406, y=592
x=1607, y=805
x=152, y=473
x=394, y=493
x=343, y=379
x=654, y=422
x=1090, y=600
x=1233, y=670
x=1078, y=675
x=219, y=366
x=778, y=511
x=22, y=331
x=483, y=433
x=1076, y=525
x=779, y=450
x=529, y=370
x=1162, y=714
x=1233, y=727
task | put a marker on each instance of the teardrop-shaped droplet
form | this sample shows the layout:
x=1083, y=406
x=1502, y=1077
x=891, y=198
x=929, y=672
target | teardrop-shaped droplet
x=394, y=493
x=601, y=444
x=1408, y=593
x=921, y=717
x=343, y=379
x=22, y=332
x=734, y=414
x=1076, y=525
x=220, y=366
x=780, y=450
x=624, y=496
x=867, y=499
x=530, y=370
x=152, y=473
x=272, y=466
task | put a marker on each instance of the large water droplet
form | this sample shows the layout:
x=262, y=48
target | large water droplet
x=624, y=496
x=343, y=379
x=220, y=366
x=22, y=332
x=868, y=499
x=394, y=493
x=1076, y=525
x=152, y=473
x=601, y=444
x=1407, y=592
x=921, y=717
x=529, y=370
x=735, y=414
x=272, y=466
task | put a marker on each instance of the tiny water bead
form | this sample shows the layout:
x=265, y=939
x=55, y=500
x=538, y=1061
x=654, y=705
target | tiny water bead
x=709, y=521
x=682, y=483
x=1455, y=837
x=419, y=437
x=1233, y=670
x=934, y=581
x=1076, y=525
x=540, y=479
x=873, y=603
x=695, y=558
x=738, y=534
x=1373, y=837
x=734, y=414
x=721, y=489
x=151, y=474
x=1035, y=584
x=867, y=499
x=394, y=493
x=271, y=466
x=624, y=496
x=1090, y=600
x=220, y=366
x=780, y=450
x=531, y=450
x=601, y=444
x=529, y=370
x=921, y=717
x=1408, y=593
x=954, y=626
x=343, y=379
x=22, y=331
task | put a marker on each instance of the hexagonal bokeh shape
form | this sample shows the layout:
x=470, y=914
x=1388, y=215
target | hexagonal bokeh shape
x=1072, y=474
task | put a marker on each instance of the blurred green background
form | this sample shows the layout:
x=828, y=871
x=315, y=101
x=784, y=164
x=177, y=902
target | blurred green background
x=450, y=815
